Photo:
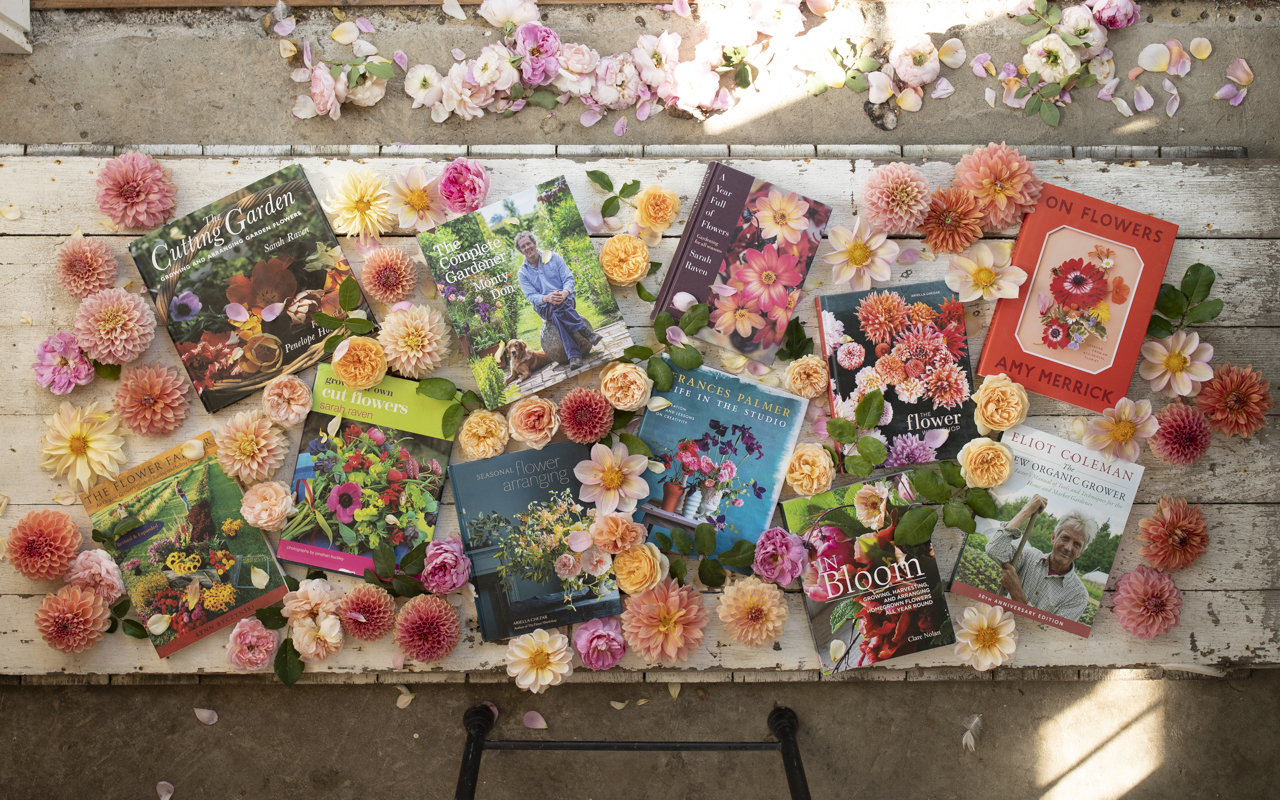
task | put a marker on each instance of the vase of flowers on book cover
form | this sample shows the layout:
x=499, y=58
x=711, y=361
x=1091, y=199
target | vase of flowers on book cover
x=695, y=466
x=538, y=548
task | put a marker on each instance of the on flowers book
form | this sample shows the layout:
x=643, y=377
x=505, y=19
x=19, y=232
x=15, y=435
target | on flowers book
x=745, y=252
x=1048, y=552
x=370, y=469
x=525, y=291
x=192, y=558
x=236, y=284
x=516, y=513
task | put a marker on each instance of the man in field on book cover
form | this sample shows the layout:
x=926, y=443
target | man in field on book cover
x=548, y=285
x=1047, y=581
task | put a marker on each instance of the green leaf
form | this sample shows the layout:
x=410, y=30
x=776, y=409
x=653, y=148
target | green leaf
x=679, y=570
x=352, y=78
x=711, y=573
x=291, y=583
x=121, y=608
x=1197, y=281
x=980, y=501
x=927, y=484
x=380, y=69
x=681, y=541
x=873, y=450
x=869, y=410
x=742, y=555
x=108, y=372
x=407, y=587
x=348, y=535
x=113, y=625
x=1022, y=92
x=1050, y=91
x=1159, y=327
x=661, y=322
x=856, y=80
x=1209, y=309
x=133, y=628
x=437, y=388
x=956, y=514
x=1032, y=106
x=384, y=561
x=359, y=327
x=704, y=539
x=516, y=91
x=695, y=319
x=654, y=266
x=1051, y=114
x=1033, y=79
x=662, y=540
x=325, y=321
x=868, y=64
x=1171, y=302
x=644, y=294
x=452, y=419
x=335, y=70
x=545, y=98
x=815, y=86
x=610, y=206
x=470, y=398
x=637, y=351
x=843, y=612
x=1055, y=16
x=915, y=527
x=742, y=75
x=842, y=430
x=288, y=664
x=1086, y=81
x=951, y=473
x=349, y=294
x=686, y=357
x=333, y=341
x=1028, y=19
x=600, y=179
x=635, y=446
x=271, y=618
x=1042, y=6
x=1038, y=35
x=629, y=189
x=1072, y=39
x=371, y=578
x=859, y=466
x=414, y=561
x=661, y=375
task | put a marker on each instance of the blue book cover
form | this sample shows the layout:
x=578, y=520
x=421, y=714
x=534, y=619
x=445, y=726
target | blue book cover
x=725, y=442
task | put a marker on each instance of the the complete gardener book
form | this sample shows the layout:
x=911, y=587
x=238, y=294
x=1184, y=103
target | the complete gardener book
x=516, y=513
x=190, y=557
x=369, y=472
x=236, y=284
x=525, y=291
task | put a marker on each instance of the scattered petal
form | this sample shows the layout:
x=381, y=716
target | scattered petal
x=683, y=301
x=269, y=313
x=942, y=88
x=1239, y=98
x=642, y=701
x=1121, y=106
x=1200, y=48
x=109, y=225
x=619, y=704
x=881, y=87
x=1108, y=89
x=1169, y=86
x=733, y=363
x=991, y=97
x=590, y=117
x=397, y=661
x=306, y=54
x=285, y=26
x=973, y=726
x=1079, y=427
x=1135, y=72
x=10, y=212
x=908, y=256
x=724, y=290
x=579, y=541
x=1239, y=72
x=338, y=353
x=756, y=369
x=673, y=689
x=1226, y=92
x=1179, y=61
x=401, y=59
x=164, y=790
x=620, y=127
x=952, y=53
x=1142, y=99
x=592, y=219
x=133, y=287
x=301, y=75
x=304, y=107
x=333, y=426
x=25, y=318
x=458, y=54
x=345, y=33
x=654, y=404
x=159, y=623
x=676, y=336
x=911, y=98
x=453, y=9
x=193, y=450
x=65, y=498
x=837, y=649
x=258, y=577
x=980, y=64
x=1171, y=107
x=406, y=696
x=206, y=715
x=363, y=49
x=364, y=24
x=4, y=504
x=1155, y=57
x=771, y=381
x=532, y=719
x=193, y=594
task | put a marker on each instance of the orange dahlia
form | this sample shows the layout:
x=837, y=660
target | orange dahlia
x=1174, y=534
x=1235, y=400
x=665, y=624
x=152, y=400
x=42, y=544
x=1003, y=184
x=389, y=275
x=882, y=315
x=953, y=221
x=73, y=620
x=367, y=612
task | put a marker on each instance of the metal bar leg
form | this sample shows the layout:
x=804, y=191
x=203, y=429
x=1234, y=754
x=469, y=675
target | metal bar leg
x=783, y=724
x=477, y=721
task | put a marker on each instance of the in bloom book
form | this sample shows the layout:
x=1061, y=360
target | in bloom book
x=1048, y=552
x=236, y=283
x=1075, y=329
x=370, y=469
x=870, y=595
x=745, y=252
x=725, y=443
x=193, y=558
x=516, y=513
x=910, y=344
x=525, y=292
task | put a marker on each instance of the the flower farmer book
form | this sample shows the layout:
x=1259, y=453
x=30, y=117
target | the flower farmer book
x=1048, y=551
x=872, y=593
x=516, y=514
x=525, y=291
x=1075, y=329
x=369, y=472
x=725, y=443
x=190, y=563
x=236, y=284
x=909, y=344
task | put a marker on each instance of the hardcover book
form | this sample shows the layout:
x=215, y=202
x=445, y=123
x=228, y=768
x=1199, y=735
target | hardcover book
x=1048, y=553
x=910, y=344
x=516, y=513
x=725, y=443
x=870, y=595
x=236, y=284
x=192, y=557
x=370, y=469
x=745, y=252
x=1076, y=327
x=524, y=289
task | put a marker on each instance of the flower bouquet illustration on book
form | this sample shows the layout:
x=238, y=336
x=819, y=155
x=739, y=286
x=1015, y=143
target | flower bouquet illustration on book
x=1080, y=299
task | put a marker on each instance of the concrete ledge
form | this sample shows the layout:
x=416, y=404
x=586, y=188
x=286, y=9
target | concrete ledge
x=510, y=150
x=687, y=676
x=10, y=680
x=1045, y=151
x=12, y=150
x=776, y=677
x=337, y=678
x=859, y=151
x=687, y=150
x=1148, y=674
x=1117, y=151
x=948, y=674
x=154, y=679
x=772, y=151
x=61, y=679
x=939, y=152
x=873, y=674
x=410, y=678
x=1049, y=674
x=1216, y=151
x=249, y=150
x=425, y=150
x=600, y=150
x=161, y=150
x=337, y=150
x=91, y=150
x=231, y=679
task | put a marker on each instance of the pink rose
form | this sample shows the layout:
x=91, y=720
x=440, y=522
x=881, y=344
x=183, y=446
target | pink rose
x=266, y=506
x=737, y=502
x=656, y=58
x=286, y=401
x=577, y=69
x=595, y=561
x=599, y=643
x=781, y=557
x=617, y=82
x=447, y=567
x=96, y=571
x=696, y=85
x=568, y=566
x=539, y=48
x=251, y=646
x=464, y=185
x=376, y=436
x=324, y=91
x=1115, y=13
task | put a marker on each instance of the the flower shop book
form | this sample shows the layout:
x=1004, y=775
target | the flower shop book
x=1075, y=329
x=909, y=343
x=370, y=469
x=745, y=252
x=516, y=513
x=725, y=443
x=525, y=291
x=1049, y=550
x=869, y=594
x=191, y=558
x=236, y=283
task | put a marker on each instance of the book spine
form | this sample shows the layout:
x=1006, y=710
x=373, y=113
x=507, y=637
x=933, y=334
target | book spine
x=664, y=294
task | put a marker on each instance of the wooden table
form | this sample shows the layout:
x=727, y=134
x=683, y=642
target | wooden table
x=1228, y=218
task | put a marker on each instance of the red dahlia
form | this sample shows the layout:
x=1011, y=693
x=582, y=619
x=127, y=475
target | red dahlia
x=1056, y=335
x=585, y=415
x=1235, y=400
x=1078, y=284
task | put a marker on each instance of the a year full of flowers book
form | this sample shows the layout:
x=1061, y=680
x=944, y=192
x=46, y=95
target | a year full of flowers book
x=236, y=283
x=1051, y=546
x=370, y=469
x=516, y=513
x=1075, y=329
x=193, y=558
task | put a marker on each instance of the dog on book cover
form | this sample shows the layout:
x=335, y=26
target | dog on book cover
x=549, y=286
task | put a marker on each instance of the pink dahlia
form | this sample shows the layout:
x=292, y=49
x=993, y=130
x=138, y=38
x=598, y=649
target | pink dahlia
x=767, y=277
x=1235, y=400
x=152, y=400
x=1147, y=603
x=85, y=266
x=947, y=385
x=250, y=448
x=446, y=566
x=367, y=612
x=1174, y=534
x=427, y=628
x=61, y=365
x=1183, y=436
x=1002, y=182
x=114, y=326
x=135, y=191
x=882, y=315
x=896, y=198
x=42, y=544
x=851, y=355
x=586, y=415
x=73, y=620
x=251, y=646
x=389, y=275
x=96, y=571
x=599, y=643
x=464, y=185
x=665, y=623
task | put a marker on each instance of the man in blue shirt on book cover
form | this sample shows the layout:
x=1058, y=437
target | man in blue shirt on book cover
x=548, y=285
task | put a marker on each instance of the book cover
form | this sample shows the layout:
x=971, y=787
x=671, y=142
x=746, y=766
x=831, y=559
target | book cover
x=235, y=284
x=725, y=443
x=525, y=292
x=908, y=342
x=192, y=557
x=869, y=596
x=754, y=238
x=370, y=469
x=516, y=513
x=1048, y=553
x=1076, y=327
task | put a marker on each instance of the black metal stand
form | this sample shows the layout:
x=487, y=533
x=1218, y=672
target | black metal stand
x=783, y=724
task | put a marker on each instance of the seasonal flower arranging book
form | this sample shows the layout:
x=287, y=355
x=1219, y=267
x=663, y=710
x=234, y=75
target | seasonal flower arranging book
x=236, y=283
x=516, y=513
x=192, y=558
x=745, y=252
x=1076, y=327
x=525, y=291
x=909, y=343
x=370, y=469
x=1058, y=523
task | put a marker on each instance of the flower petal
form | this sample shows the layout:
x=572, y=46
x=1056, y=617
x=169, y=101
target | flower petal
x=285, y=26
x=453, y=9
x=1154, y=57
x=362, y=49
x=405, y=699
x=164, y=790
x=952, y=53
x=1135, y=72
x=683, y=301
x=1200, y=48
x=880, y=87
x=304, y=107
x=1239, y=98
x=206, y=715
x=258, y=577
x=364, y=24
x=991, y=97
x=981, y=64
x=756, y=369
x=676, y=336
x=942, y=88
x=1226, y=92
x=1239, y=72
x=345, y=33
x=1122, y=106
x=401, y=59
x=458, y=54
x=158, y=623
x=1171, y=107
x=1142, y=99
x=620, y=127
x=193, y=450
x=590, y=117
x=532, y=719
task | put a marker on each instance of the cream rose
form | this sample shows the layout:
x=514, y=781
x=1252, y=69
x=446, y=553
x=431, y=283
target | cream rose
x=808, y=376
x=984, y=463
x=625, y=386
x=533, y=420
x=615, y=533
x=625, y=260
x=286, y=401
x=1000, y=404
x=266, y=506
x=640, y=568
x=483, y=435
x=656, y=209
x=360, y=363
x=810, y=471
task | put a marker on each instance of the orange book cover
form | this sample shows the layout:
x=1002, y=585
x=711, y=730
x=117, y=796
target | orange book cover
x=1075, y=329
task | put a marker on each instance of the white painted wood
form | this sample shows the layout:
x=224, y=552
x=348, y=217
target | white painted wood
x=15, y=26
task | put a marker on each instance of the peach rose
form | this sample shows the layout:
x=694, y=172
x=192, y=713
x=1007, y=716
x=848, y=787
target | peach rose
x=1001, y=404
x=483, y=434
x=640, y=568
x=985, y=463
x=810, y=471
x=656, y=209
x=533, y=420
x=614, y=533
x=266, y=506
x=625, y=386
x=360, y=363
x=286, y=401
x=808, y=376
x=625, y=260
